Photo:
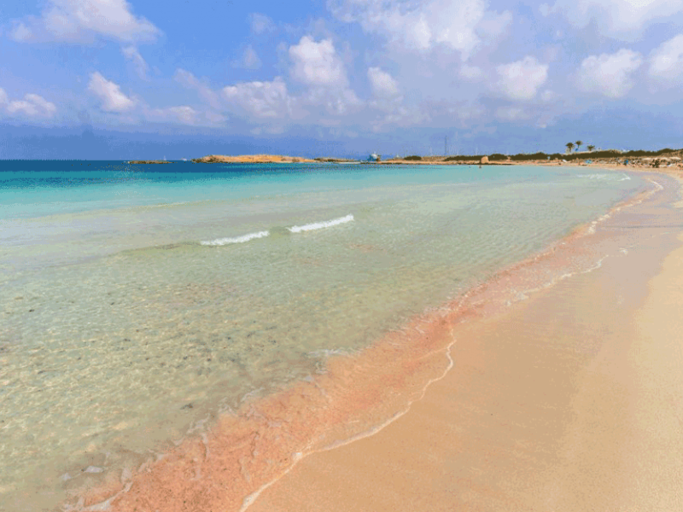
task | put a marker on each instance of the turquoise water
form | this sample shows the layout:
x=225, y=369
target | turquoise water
x=136, y=301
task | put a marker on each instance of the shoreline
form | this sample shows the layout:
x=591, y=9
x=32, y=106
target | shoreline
x=428, y=337
x=571, y=401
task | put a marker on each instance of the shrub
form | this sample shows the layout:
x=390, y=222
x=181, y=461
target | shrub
x=463, y=158
x=497, y=157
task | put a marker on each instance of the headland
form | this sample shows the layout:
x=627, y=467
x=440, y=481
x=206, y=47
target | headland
x=251, y=159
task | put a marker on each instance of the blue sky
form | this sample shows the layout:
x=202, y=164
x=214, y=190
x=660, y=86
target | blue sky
x=147, y=79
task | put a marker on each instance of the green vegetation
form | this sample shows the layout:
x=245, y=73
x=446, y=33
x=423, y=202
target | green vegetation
x=568, y=157
x=497, y=157
x=522, y=157
x=463, y=158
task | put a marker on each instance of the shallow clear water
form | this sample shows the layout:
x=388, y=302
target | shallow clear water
x=119, y=328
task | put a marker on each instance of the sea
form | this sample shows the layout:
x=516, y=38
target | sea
x=140, y=301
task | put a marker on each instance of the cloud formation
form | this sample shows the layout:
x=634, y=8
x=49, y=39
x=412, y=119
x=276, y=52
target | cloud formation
x=260, y=23
x=32, y=106
x=666, y=62
x=521, y=80
x=132, y=54
x=84, y=21
x=618, y=19
x=110, y=95
x=317, y=63
x=609, y=75
x=382, y=84
x=189, y=81
x=184, y=115
x=260, y=100
x=455, y=24
x=250, y=59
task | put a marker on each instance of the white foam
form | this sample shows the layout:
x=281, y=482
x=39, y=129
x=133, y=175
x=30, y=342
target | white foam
x=321, y=225
x=237, y=239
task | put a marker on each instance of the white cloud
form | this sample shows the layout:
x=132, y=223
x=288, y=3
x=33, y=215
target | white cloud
x=260, y=23
x=456, y=24
x=183, y=115
x=335, y=102
x=21, y=32
x=261, y=100
x=83, y=21
x=3, y=97
x=521, y=80
x=132, y=54
x=109, y=93
x=609, y=74
x=180, y=115
x=187, y=79
x=386, y=99
x=382, y=83
x=666, y=62
x=32, y=105
x=619, y=19
x=317, y=64
x=250, y=59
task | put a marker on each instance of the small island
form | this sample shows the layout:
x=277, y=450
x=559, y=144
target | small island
x=251, y=159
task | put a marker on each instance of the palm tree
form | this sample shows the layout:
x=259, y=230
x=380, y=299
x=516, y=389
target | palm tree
x=578, y=144
x=591, y=148
x=570, y=146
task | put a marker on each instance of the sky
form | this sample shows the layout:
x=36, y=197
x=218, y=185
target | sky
x=117, y=79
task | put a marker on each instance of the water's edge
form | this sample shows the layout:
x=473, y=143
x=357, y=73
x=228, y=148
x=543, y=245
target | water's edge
x=356, y=397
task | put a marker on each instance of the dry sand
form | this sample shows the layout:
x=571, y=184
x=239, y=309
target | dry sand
x=570, y=401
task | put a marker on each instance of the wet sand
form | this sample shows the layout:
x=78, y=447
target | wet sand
x=553, y=386
x=570, y=401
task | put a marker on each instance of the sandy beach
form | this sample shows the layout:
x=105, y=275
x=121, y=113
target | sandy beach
x=341, y=256
x=556, y=385
x=570, y=401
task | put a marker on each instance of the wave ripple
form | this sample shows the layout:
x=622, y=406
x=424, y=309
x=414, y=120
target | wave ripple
x=321, y=225
x=237, y=239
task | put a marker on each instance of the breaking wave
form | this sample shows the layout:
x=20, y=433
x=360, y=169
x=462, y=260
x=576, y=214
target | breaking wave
x=237, y=239
x=321, y=225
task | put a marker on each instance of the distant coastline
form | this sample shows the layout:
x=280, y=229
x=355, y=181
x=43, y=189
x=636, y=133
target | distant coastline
x=637, y=158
